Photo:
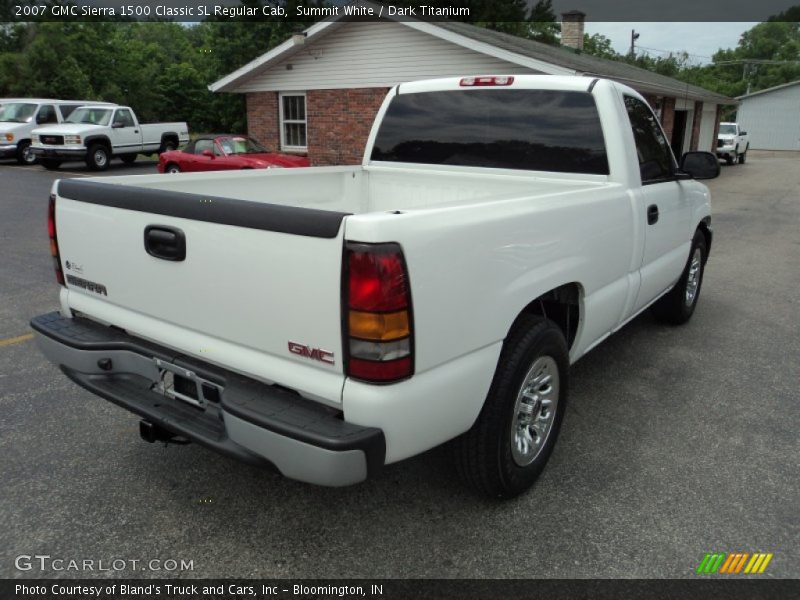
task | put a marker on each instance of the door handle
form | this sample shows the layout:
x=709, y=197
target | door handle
x=652, y=214
x=166, y=243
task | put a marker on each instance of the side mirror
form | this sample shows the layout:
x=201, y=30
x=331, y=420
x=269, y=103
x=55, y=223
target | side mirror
x=700, y=165
x=208, y=153
x=742, y=133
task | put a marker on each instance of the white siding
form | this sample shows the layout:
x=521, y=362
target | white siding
x=772, y=120
x=707, y=143
x=361, y=55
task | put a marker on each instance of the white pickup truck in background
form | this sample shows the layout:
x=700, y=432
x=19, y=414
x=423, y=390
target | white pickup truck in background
x=96, y=133
x=20, y=116
x=331, y=320
x=732, y=143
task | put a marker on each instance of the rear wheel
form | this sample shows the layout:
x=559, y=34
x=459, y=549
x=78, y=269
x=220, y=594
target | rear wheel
x=51, y=164
x=508, y=446
x=128, y=158
x=677, y=306
x=172, y=168
x=98, y=157
x=24, y=154
x=168, y=145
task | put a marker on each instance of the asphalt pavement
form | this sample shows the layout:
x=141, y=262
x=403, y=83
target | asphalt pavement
x=677, y=441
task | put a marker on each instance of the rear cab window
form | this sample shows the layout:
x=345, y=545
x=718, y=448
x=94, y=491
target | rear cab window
x=534, y=130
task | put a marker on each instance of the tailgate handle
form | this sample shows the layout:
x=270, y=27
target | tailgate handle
x=167, y=243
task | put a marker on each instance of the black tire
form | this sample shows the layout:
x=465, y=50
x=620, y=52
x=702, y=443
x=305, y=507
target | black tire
x=168, y=145
x=98, y=157
x=729, y=160
x=172, y=168
x=485, y=455
x=51, y=164
x=24, y=154
x=128, y=159
x=676, y=307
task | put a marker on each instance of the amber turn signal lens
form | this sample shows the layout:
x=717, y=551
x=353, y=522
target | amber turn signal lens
x=379, y=326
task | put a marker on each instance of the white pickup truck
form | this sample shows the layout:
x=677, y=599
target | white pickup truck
x=732, y=143
x=96, y=133
x=332, y=320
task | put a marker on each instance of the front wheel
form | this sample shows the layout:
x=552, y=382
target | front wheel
x=677, y=306
x=743, y=156
x=508, y=446
x=98, y=157
x=24, y=154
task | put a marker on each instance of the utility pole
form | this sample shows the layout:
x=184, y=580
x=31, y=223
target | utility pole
x=634, y=37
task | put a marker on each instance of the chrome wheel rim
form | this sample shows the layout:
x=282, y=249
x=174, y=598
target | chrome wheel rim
x=100, y=158
x=173, y=170
x=534, y=410
x=693, y=278
x=28, y=156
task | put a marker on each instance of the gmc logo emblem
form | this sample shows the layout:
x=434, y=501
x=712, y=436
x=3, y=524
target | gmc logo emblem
x=312, y=353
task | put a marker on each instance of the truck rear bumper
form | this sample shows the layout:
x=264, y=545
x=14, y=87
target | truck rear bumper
x=243, y=418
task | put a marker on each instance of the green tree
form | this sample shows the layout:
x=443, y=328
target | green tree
x=600, y=46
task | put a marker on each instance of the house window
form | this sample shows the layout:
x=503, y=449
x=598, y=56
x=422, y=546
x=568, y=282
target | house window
x=293, y=121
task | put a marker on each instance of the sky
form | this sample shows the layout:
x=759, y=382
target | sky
x=700, y=39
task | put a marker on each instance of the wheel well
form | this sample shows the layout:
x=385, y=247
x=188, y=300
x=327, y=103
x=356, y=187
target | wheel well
x=705, y=229
x=169, y=137
x=97, y=140
x=562, y=306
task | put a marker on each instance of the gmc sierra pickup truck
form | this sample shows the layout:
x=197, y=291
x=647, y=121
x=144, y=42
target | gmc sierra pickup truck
x=96, y=133
x=330, y=320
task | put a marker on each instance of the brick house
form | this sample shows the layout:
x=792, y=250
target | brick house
x=318, y=92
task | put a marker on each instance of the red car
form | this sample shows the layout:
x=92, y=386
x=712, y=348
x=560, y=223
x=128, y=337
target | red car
x=224, y=153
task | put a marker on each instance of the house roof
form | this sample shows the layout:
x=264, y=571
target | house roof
x=516, y=50
x=586, y=64
x=768, y=90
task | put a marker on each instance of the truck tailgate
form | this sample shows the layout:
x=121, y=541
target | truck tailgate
x=257, y=291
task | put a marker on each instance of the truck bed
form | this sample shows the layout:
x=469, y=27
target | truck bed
x=357, y=190
x=264, y=253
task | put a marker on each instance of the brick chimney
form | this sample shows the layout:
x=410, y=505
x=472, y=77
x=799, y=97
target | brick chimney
x=572, y=29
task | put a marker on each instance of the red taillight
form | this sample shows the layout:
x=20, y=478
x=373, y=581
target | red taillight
x=380, y=372
x=486, y=81
x=377, y=281
x=51, y=232
x=377, y=314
